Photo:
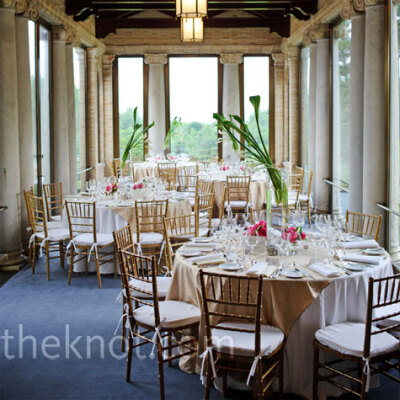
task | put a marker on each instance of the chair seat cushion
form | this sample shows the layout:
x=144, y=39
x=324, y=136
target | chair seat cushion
x=202, y=232
x=237, y=204
x=163, y=284
x=86, y=239
x=55, y=234
x=150, y=238
x=192, y=201
x=242, y=343
x=348, y=338
x=173, y=314
x=56, y=218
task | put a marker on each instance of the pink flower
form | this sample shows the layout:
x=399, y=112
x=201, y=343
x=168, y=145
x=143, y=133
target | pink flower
x=224, y=168
x=303, y=235
x=242, y=168
x=140, y=185
x=134, y=186
x=109, y=187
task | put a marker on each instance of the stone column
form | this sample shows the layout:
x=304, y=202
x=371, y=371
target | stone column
x=230, y=97
x=101, y=111
x=279, y=67
x=10, y=195
x=108, y=108
x=394, y=142
x=82, y=115
x=92, y=113
x=24, y=116
x=60, y=109
x=374, y=145
x=286, y=111
x=292, y=57
x=356, y=112
x=322, y=150
x=71, y=118
x=312, y=114
x=156, y=101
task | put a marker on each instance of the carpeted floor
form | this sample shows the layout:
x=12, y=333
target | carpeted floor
x=51, y=345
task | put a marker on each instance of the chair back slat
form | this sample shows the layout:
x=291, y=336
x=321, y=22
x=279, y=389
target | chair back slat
x=118, y=171
x=187, y=183
x=203, y=208
x=238, y=188
x=191, y=169
x=363, y=224
x=37, y=214
x=54, y=199
x=137, y=270
x=150, y=216
x=123, y=240
x=231, y=298
x=204, y=186
x=382, y=292
x=81, y=218
x=26, y=194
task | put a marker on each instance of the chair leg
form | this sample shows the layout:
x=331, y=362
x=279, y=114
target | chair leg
x=33, y=261
x=123, y=334
x=309, y=215
x=86, y=266
x=71, y=265
x=363, y=394
x=208, y=380
x=98, y=272
x=160, y=368
x=315, y=373
x=259, y=382
x=169, y=349
x=61, y=246
x=129, y=359
x=47, y=261
x=281, y=375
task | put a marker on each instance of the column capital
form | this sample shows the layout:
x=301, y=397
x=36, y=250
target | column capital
x=7, y=4
x=348, y=10
x=369, y=3
x=59, y=33
x=319, y=32
x=94, y=53
x=289, y=50
x=156, y=58
x=279, y=59
x=231, y=58
x=107, y=60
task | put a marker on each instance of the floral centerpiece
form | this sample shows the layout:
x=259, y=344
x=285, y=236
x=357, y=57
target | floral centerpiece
x=258, y=229
x=293, y=234
x=139, y=185
x=111, y=188
x=224, y=167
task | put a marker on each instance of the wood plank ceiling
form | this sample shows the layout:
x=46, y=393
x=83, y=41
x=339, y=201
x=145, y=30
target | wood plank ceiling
x=150, y=14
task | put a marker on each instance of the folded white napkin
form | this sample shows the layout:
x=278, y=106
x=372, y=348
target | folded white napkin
x=361, y=244
x=362, y=259
x=261, y=268
x=325, y=269
x=209, y=259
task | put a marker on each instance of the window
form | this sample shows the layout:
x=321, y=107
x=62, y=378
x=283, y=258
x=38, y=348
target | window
x=256, y=82
x=39, y=55
x=130, y=95
x=305, y=106
x=80, y=113
x=394, y=172
x=193, y=85
x=341, y=59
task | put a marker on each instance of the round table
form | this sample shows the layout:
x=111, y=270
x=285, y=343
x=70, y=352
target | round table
x=111, y=218
x=298, y=307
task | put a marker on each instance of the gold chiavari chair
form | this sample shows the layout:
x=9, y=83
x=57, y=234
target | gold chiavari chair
x=188, y=184
x=167, y=172
x=29, y=228
x=123, y=241
x=236, y=338
x=53, y=196
x=118, y=171
x=51, y=239
x=203, y=165
x=163, y=319
x=363, y=224
x=177, y=231
x=204, y=186
x=305, y=200
x=366, y=344
x=203, y=209
x=236, y=195
x=150, y=226
x=85, y=241
x=191, y=169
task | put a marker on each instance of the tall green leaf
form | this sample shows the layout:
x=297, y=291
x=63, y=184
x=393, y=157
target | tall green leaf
x=176, y=123
x=235, y=127
x=138, y=138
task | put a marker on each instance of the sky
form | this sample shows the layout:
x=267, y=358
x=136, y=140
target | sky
x=193, y=85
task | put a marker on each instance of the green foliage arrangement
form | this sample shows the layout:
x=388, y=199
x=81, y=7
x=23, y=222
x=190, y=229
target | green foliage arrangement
x=176, y=123
x=255, y=149
x=138, y=138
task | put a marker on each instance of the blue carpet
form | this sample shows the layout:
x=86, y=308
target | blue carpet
x=32, y=308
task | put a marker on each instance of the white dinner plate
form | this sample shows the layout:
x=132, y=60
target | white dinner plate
x=355, y=266
x=231, y=266
x=191, y=253
x=292, y=273
x=374, y=251
x=202, y=239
